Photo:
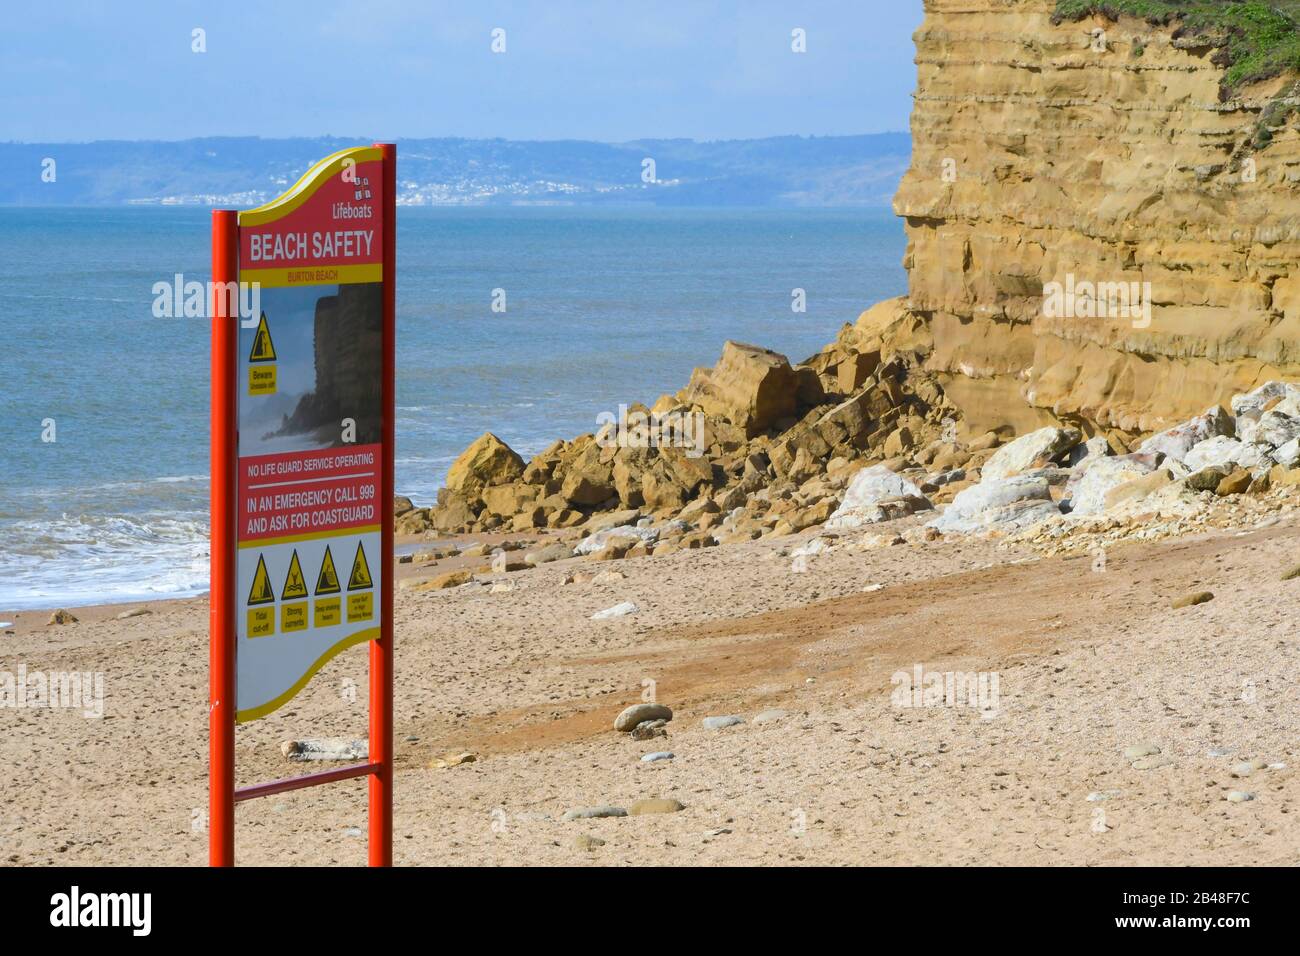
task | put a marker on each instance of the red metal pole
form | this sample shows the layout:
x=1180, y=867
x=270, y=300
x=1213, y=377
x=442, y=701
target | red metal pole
x=221, y=605
x=381, y=650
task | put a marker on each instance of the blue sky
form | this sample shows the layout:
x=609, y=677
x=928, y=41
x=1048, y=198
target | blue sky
x=573, y=69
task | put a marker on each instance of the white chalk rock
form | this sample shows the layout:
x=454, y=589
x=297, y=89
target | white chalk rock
x=1274, y=429
x=1176, y=442
x=866, y=491
x=1030, y=450
x=1002, y=504
x=622, y=609
x=597, y=542
x=1088, y=493
x=1222, y=450
x=1251, y=405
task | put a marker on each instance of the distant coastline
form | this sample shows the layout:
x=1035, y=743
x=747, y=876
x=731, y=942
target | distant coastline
x=780, y=171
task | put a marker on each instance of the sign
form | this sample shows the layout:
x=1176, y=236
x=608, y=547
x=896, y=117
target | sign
x=302, y=469
x=310, y=418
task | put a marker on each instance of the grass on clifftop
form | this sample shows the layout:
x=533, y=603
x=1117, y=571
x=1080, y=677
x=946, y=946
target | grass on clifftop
x=1255, y=40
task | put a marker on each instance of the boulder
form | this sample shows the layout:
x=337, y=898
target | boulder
x=1207, y=478
x=1288, y=455
x=415, y=521
x=1087, y=493
x=661, y=488
x=552, y=552
x=868, y=488
x=455, y=510
x=1087, y=452
x=452, y=579
x=401, y=505
x=1000, y=504
x=637, y=713
x=801, y=518
x=1274, y=428
x=1176, y=442
x=1252, y=405
x=627, y=534
x=1233, y=484
x=750, y=387
x=1029, y=451
x=1222, y=450
x=487, y=461
x=1146, y=491
x=509, y=499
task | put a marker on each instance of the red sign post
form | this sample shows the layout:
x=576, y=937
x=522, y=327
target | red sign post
x=302, y=466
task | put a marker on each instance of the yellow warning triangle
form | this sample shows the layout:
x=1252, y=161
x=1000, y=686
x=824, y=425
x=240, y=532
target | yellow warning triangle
x=261, y=591
x=294, y=585
x=328, y=580
x=360, y=579
x=263, y=347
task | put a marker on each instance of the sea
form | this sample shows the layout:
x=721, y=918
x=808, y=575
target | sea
x=104, y=407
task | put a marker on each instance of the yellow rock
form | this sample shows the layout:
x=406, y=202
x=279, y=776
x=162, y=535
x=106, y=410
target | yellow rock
x=487, y=461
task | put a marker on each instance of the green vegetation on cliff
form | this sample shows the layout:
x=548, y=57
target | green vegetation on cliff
x=1254, y=40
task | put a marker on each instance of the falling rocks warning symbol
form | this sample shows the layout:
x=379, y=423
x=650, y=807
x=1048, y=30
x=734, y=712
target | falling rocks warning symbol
x=263, y=347
x=328, y=580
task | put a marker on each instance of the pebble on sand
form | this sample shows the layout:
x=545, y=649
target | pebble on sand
x=1190, y=600
x=585, y=841
x=592, y=813
x=768, y=716
x=1140, y=750
x=657, y=756
x=62, y=617
x=649, y=729
x=452, y=760
x=1239, y=796
x=1247, y=767
x=655, y=805
x=618, y=610
x=721, y=723
x=134, y=612
x=638, y=713
x=1152, y=763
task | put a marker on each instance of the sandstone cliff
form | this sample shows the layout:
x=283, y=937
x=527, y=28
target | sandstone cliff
x=1146, y=165
x=1099, y=149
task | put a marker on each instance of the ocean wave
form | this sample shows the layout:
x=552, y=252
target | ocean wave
x=91, y=559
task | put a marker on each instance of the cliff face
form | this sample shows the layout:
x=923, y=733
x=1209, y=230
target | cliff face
x=1043, y=152
x=348, y=328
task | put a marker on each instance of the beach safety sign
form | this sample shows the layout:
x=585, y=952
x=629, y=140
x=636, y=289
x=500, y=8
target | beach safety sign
x=310, y=564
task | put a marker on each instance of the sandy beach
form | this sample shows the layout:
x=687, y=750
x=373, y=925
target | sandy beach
x=1088, y=663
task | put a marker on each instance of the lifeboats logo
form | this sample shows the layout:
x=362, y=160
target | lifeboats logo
x=74, y=908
